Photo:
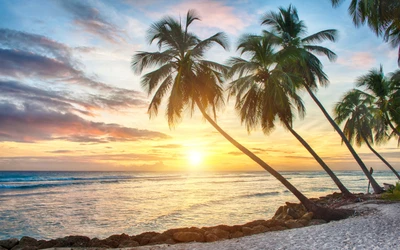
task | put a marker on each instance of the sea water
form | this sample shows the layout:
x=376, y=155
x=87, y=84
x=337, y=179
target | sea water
x=48, y=205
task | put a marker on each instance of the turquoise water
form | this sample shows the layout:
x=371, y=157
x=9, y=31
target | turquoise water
x=49, y=205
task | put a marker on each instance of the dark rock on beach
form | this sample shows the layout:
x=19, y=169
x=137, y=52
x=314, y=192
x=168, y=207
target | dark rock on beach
x=8, y=244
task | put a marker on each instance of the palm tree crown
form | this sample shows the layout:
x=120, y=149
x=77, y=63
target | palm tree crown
x=287, y=31
x=263, y=89
x=265, y=92
x=386, y=91
x=182, y=72
x=356, y=108
x=361, y=117
x=382, y=16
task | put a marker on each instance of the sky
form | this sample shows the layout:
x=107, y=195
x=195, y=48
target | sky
x=70, y=101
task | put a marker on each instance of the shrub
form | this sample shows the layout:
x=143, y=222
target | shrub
x=392, y=194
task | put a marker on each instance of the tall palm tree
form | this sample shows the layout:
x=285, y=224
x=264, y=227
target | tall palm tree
x=357, y=110
x=287, y=31
x=383, y=89
x=265, y=91
x=394, y=100
x=193, y=82
x=382, y=16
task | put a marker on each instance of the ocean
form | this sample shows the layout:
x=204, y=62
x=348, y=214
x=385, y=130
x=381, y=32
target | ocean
x=48, y=205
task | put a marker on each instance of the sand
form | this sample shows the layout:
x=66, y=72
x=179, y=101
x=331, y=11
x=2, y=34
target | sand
x=378, y=228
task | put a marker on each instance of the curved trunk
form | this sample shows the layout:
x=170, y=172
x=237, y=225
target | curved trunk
x=391, y=124
x=380, y=157
x=377, y=189
x=319, y=212
x=338, y=183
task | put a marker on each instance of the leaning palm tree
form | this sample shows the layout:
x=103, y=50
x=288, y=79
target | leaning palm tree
x=287, y=31
x=264, y=92
x=190, y=81
x=382, y=16
x=394, y=101
x=383, y=89
x=357, y=110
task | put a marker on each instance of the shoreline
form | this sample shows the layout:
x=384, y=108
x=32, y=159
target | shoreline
x=287, y=218
x=377, y=228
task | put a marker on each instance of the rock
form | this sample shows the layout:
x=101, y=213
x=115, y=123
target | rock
x=221, y=234
x=255, y=223
x=279, y=211
x=188, y=237
x=128, y=243
x=95, y=242
x=295, y=210
x=303, y=222
x=18, y=247
x=144, y=238
x=229, y=229
x=119, y=237
x=42, y=244
x=277, y=228
x=307, y=216
x=162, y=239
x=236, y=234
x=293, y=224
x=9, y=243
x=260, y=229
x=210, y=237
x=27, y=241
x=2, y=248
x=247, y=231
x=274, y=223
x=316, y=222
x=72, y=241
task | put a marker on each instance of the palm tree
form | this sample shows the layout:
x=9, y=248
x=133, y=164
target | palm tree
x=394, y=100
x=384, y=89
x=193, y=82
x=287, y=31
x=357, y=110
x=265, y=91
x=382, y=16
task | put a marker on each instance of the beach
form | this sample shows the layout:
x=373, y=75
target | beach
x=374, y=225
x=378, y=228
x=50, y=205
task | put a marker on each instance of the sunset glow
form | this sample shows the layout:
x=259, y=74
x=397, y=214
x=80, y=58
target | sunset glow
x=70, y=100
x=195, y=158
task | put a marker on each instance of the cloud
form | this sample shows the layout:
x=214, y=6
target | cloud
x=20, y=93
x=358, y=60
x=214, y=14
x=91, y=20
x=30, y=123
x=20, y=64
x=169, y=146
x=29, y=56
x=37, y=44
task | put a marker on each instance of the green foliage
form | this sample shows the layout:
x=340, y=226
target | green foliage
x=392, y=194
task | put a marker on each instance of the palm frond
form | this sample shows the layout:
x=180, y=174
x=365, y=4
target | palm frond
x=143, y=60
x=321, y=51
x=321, y=36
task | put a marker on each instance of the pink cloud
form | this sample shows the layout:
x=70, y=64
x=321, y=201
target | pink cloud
x=214, y=14
x=358, y=60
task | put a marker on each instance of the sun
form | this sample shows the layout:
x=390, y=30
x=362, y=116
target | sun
x=195, y=158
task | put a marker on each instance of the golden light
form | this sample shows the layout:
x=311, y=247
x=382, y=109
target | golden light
x=195, y=158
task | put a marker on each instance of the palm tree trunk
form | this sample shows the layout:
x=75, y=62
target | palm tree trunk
x=338, y=183
x=391, y=124
x=379, y=156
x=377, y=189
x=319, y=212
